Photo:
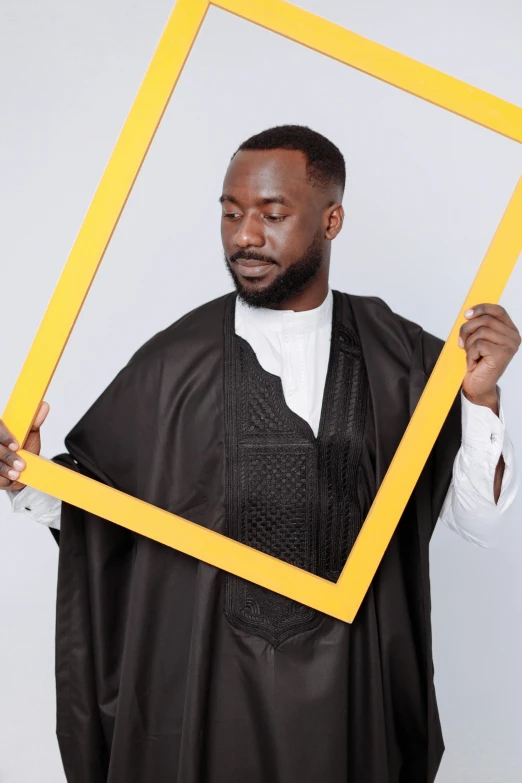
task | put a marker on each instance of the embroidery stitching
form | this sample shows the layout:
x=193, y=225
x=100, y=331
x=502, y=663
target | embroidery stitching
x=288, y=493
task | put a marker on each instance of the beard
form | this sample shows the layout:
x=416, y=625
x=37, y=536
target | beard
x=289, y=283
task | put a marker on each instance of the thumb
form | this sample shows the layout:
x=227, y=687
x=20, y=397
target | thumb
x=40, y=416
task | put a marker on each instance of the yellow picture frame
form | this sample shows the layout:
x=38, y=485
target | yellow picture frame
x=341, y=599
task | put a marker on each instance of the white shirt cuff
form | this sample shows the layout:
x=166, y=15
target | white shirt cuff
x=469, y=508
x=37, y=506
x=484, y=441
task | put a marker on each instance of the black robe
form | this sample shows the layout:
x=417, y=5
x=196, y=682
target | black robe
x=154, y=683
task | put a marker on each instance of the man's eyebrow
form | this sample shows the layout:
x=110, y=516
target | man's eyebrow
x=226, y=197
x=262, y=202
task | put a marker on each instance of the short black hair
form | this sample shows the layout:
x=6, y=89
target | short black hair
x=325, y=162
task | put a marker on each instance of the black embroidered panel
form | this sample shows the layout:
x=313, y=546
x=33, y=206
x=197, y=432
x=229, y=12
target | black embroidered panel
x=288, y=493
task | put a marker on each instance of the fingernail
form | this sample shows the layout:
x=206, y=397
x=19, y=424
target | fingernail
x=468, y=313
x=18, y=464
x=13, y=474
x=13, y=446
x=461, y=342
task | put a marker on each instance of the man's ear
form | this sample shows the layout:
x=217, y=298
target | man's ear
x=334, y=221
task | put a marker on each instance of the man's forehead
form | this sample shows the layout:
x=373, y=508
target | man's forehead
x=264, y=173
x=269, y=176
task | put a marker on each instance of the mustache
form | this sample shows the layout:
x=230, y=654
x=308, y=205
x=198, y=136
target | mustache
x=250, y=255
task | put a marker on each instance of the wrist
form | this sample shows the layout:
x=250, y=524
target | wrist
x=487, y=400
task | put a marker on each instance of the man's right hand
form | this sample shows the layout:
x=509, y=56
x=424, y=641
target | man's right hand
x=11, y=465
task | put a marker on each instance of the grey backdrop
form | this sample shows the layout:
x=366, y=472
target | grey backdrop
x=425, y=192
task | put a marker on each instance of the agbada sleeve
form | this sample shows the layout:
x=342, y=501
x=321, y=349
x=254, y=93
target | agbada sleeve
x=95, y=572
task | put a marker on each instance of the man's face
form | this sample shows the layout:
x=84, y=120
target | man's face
x=273, y=225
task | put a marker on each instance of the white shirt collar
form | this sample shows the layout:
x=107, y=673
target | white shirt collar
x=286, y=320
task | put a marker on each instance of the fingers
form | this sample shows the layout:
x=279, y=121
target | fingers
x=11, y=486
x=490, y=348
x=495, y=336
x=476, y=352
x=489, y=321
x=5, y=483
x=11, y=466
x=497, y=358
x=6, y=439
x=491, y=335
x=40, y=416
x=494, y=310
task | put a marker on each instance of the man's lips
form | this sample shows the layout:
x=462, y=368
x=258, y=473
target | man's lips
x=250, y=268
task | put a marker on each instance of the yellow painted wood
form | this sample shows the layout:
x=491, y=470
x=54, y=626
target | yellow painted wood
x=341, y=600
x=103, y=214
x=385, y=64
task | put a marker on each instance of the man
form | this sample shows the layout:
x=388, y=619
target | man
x=271, y=416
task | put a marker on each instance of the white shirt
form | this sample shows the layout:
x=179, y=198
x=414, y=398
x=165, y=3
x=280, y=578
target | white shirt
x=296, y=347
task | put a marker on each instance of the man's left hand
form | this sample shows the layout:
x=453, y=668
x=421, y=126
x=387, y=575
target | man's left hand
x=490, y=339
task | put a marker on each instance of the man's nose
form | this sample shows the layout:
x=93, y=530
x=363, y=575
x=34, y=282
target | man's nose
x=249, y=233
